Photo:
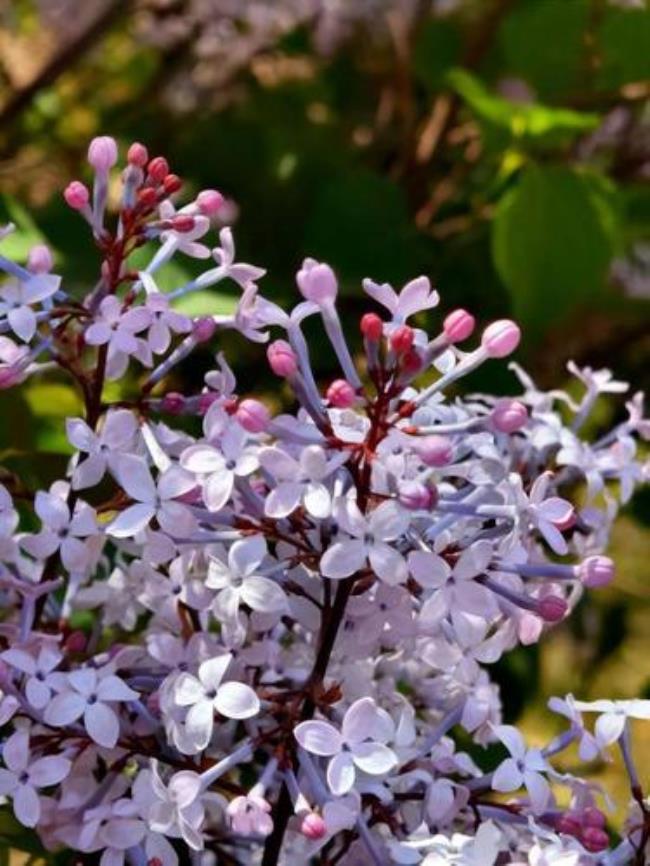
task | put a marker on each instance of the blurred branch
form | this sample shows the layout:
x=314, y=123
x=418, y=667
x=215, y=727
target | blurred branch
x=70, y=53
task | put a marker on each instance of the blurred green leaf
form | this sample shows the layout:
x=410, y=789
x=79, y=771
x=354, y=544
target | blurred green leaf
x=207, y=303
x=553, y=237
x=17, y=245
x=521, y=120
x=624, y=42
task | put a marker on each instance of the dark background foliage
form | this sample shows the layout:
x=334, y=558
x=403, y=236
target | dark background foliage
x=500, y=146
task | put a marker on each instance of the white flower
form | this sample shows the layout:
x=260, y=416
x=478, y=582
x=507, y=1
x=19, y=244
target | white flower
x=62, y=530
x=614, y=714
x=369, y=541
x=524, y=768
x=299, y=481
x=17, y=299
x=39, y=684
x=206, y=693
x=90, y=693
x=238, y=580
x=360, y=744
x=164, y=320
x=220, y=466
x=115, y=435
x=153, y=499
x=116, y=327
x=177, y=809
x=23, y=778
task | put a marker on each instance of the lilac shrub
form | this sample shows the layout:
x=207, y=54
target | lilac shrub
x=307, y=604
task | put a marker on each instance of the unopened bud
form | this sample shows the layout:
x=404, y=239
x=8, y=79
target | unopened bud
x=552, y=608
x=172, y=183
x=183, y=223
x=509, y=416
x=282, y=358
x=40, y=259
x=148, y=196
x=401, y=340
x=596, y=571
x=341, y=394
x=158, y=169
x=435, y=450
x=76, y=195
x=569, y=823
x=253, y=416
x=458, y=326
x=205, y=401
x=76, y=642
x=313, y=826
x=173, y=403
x=137, y=155
x=102, y=153
x=317, y=281
x=203, y=329
x=593, y=817
x=415, y=495
x=501, y=338
x=209, y=201
x=594, y=839
x=372, y=327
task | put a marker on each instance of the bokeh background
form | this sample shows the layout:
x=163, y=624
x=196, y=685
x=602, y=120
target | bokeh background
x=500, y=146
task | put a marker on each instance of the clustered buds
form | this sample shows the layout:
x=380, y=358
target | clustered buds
x=296, y=597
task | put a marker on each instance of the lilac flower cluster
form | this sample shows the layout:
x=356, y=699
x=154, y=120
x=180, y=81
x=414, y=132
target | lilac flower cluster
x=293, y=613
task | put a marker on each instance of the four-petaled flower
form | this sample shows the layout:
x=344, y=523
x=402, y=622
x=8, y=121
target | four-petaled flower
x=23, y=777
x=524, y=767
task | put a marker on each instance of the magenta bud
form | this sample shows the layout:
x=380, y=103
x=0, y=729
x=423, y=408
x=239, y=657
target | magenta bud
x=209, y=201
x=40, y=259
x=509, y=416
x=341, y=394
x=569, y=823
x=317, y=281
x=253, y=416
x=173, y=403
x=415, y=495
x=372, y=327
x=594, y=839
x=282, y=358
x=593, y=817
x=458, y=326
x=552, y=608
x=76, y=642
x=158, y=169
x=435, y=450
x=313, y=826
x=596, y=571
x=203, y=329
x=401, y=340
x=183, y=223
x=102, y=153
x=137, y=155
x=205, y=401
x=76, y=195
x=501, y=338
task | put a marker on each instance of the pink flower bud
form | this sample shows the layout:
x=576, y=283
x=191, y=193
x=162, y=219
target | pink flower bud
x=401, y=340
x=203, y=329
x=40, y=259
x=183, y=223
x=596, y=571
x=372, y=327
x=411, y=361
x=158, y=169
x=313, y=826
x=205, y=401
x=552, y=608
x=10, y=376
x=137, y=155
x=76, y=195
x=209, y=201
x=569, y=823
x=253, y=416
x=435, y=450
x=415, y=495
x=341, y=394
x=593, y=817
x=172, y=183
x=102, y=153
x=282, y=358
x=458, y=326
x=501, y=338
x=173, y=403
x=509, y=416
x=317, y=281
x=76, y=642
x=594, y=839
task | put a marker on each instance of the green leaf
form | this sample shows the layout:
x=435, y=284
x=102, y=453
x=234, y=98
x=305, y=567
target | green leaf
x=520, y=120
x=206, y=303
x=553, y=237
x=17, y=245
x=624, y=42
